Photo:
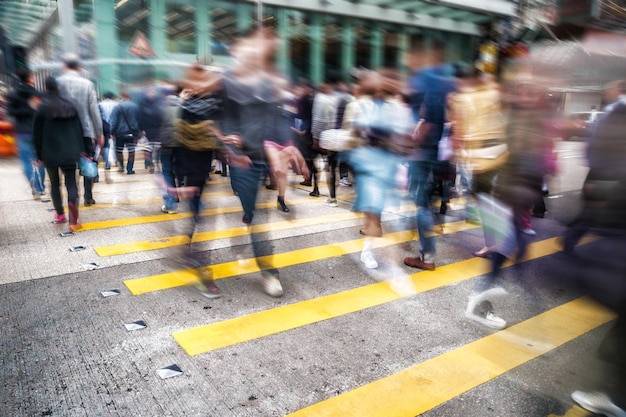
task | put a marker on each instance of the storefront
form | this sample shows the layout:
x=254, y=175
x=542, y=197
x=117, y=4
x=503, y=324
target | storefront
x=318, y=37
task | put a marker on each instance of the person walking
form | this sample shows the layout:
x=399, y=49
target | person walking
x=82, y=93
x=108, y=150
x=516, y=190
x=169, y=143
x=431, y=86
x=22, y=103
x=125, y=131
x=59, y=143
x=150, y=119
x=378, y=118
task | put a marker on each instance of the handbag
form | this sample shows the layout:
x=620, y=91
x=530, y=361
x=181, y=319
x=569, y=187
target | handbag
x=87, y=167
x=336, y=140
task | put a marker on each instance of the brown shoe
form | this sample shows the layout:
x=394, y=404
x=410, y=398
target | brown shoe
x=419, y=263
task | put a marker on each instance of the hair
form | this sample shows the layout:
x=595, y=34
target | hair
x=23, y=74
x=109, y=95
x=71, y=61
x=51, y=85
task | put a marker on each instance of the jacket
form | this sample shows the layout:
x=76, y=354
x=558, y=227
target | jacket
x=58, y=134
x=20, y=109
x=124, y=119
x=171, y=114
x=82, y=93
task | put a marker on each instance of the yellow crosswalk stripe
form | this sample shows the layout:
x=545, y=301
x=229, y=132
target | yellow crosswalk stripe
x=168, y=242
x=132, y=221
x=281, y=260
x=241, y=329
x=424, y=386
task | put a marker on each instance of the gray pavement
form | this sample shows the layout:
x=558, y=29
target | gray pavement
x=66, y=351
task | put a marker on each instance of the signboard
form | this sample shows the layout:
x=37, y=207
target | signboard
x=140, y=46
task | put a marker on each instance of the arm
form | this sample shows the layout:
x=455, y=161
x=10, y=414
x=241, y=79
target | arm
x=38, y=134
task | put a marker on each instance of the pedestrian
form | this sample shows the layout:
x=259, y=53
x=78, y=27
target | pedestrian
x=250, y=99
x=82, y=93
x=379, y=119
x=150, y=119
x=195, y=140
x=59, y=143
x=302, y=125
x=107, y=104
x=431, y=87
x=125, y=131
x=605, y=158
x=279, y=145
x=517, y=186
x=22, y=103
x=169, y=141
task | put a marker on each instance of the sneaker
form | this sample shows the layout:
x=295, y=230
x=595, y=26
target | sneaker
x=598, y=403
x=331, y=202
x=418, y=262
x=368, y=259
x=482, y=312
x=38, y=195
x=271, y=285
x=528, y=231
x=59, y=219
x=208, y=289
x=168, y=210
x=344, y=182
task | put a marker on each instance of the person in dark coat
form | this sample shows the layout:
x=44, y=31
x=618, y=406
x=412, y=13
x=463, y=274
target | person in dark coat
x=21, y=107
x=150, y=118
x=59, y=143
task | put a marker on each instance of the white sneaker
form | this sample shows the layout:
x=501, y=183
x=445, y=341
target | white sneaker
x=344, y=182
x=271, y=286
x=489, y=320
x=331, y=202
x=368, y=259
x=598, y=403
x=529, y=232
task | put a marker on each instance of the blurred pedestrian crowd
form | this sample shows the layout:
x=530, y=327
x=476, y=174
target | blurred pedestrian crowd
x=446, y=131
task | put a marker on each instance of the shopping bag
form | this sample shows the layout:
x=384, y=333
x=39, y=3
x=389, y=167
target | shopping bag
x=336, y=140
x=88, y=167
x=497, y=221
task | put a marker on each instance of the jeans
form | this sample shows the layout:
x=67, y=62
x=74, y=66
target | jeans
x=36, y=176
x=167, y=169
x=70, y=185
x=423, y=183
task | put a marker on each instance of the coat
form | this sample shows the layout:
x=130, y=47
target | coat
x=82, y=93
x=19, y=107
x=58, y=134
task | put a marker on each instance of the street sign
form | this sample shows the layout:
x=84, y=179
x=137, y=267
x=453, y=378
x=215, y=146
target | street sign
x=140, y=46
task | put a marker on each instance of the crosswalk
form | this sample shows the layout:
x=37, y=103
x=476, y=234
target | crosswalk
x=408, y=392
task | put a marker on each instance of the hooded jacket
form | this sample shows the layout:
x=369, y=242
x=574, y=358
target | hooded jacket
x=20, y=109
x=58, y=133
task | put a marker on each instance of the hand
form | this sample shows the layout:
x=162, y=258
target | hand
x=234, y=140
x=239, y=161
x=101, y=141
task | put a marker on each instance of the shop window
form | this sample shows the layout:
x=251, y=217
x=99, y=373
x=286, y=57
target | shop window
x=180, y=26
x=363, y=38
x=298, y=34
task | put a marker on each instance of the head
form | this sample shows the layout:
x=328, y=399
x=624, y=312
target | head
x=108, y=96
x=71, y=61
x=51, y=85
x=25, y=75
x=613, y=90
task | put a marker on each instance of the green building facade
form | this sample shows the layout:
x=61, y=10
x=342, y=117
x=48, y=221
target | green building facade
x=126, y=43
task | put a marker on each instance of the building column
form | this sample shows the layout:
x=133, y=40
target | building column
x=317, y=50
x=282, y=31
x=106, y=45
x=66, y=21
x=348, y=55
x=204, y=52
x=403, y=50
x=376, y=57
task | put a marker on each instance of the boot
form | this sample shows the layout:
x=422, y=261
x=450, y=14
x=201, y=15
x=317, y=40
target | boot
x=281, y=204
x=74, y=224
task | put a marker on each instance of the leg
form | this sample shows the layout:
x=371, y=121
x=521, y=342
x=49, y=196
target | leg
x=130, y=144
x=332, y=178
x=55, y=191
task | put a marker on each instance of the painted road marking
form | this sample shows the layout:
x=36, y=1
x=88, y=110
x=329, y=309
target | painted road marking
x=168, y=242
x=429, y=384
x=264, y=323
x=281, y=260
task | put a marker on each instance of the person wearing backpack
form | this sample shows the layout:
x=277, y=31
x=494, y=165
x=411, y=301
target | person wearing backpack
x=125, y=129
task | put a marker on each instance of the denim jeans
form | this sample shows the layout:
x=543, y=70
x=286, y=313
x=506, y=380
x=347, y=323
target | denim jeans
x=422, y=184
x=26, y=150
x=167, y=169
